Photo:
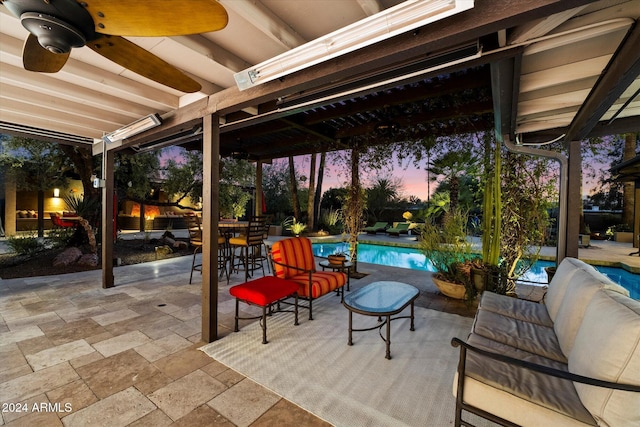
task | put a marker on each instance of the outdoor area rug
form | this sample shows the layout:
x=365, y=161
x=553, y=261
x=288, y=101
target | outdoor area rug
x=312, y=365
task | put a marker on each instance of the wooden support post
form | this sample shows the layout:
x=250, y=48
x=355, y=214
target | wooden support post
x=210, y=216
x=574, y=199
x=258, y=207
x=107, y=219
x=636, y=216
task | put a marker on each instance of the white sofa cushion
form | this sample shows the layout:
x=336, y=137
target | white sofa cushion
x=558, y=286
x=584, y=284
x=607, y=347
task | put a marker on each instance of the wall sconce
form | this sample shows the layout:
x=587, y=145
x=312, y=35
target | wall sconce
x=56, y=192
x=139, y=126
x=404, y=17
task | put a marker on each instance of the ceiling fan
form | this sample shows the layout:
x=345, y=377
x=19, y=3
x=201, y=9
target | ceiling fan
x=57, y=26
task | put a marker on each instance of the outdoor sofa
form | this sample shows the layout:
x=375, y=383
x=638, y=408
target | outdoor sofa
x=27, y=220
x=574, y=360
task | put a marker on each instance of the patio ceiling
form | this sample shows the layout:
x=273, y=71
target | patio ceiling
x=547, y=68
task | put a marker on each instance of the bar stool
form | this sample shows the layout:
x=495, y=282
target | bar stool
x=195, y=240
x=250, y=246
x=224, y=253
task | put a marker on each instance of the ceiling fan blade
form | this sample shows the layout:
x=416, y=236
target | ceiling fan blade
x=37, y=58
x=156, y=18
x=131, y=56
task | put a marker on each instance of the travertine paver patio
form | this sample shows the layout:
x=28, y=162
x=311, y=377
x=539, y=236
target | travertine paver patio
x=75, y=354
x=129, y=355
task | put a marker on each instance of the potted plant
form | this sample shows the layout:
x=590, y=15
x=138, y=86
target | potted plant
x=338, y=258
x=446, y=246
x=515, y=217
x=621, y=233
x=551, y=271
x=296, y=228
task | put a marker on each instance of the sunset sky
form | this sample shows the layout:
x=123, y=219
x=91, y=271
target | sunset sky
x=413, y=179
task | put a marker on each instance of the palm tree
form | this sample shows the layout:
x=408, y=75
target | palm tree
x=438, y=205
x=452, y=165
x=293, y=182
x=318, y=195
x=379, y=196
x=311, y=196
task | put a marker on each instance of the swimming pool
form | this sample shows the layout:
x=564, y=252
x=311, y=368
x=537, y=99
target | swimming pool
x=411, y=258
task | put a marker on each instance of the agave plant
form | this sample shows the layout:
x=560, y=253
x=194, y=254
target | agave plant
x=82, y=206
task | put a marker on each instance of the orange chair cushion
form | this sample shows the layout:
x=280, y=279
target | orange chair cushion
x=264, y=291
x=294, y=252
x=238, y=241
x=322, y=282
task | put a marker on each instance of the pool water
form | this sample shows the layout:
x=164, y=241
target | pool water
x=413, y=259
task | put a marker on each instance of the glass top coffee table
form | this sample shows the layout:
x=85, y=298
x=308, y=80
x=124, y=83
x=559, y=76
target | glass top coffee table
x=381, y=299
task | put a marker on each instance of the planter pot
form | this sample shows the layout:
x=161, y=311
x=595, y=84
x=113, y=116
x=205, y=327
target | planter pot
x=623, y=236
x=452, y=290
x=551, y=271
x=584, y=239
x=275, y=230
x=337, y=259
x=479, y=278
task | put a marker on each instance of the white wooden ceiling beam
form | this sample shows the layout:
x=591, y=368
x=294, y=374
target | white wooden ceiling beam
x=266, y=21
x=561, y=75
x=26, y=119
x=83, y=74
x=39, y=99
x=210, y=50
x=541, y=27
x=58, y=115
x=631, y=110
x=370, y=7
x=551, y=103
x=58, y=89
x=544, y=123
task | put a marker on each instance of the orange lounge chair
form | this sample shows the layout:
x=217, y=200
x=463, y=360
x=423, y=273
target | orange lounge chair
x=293, y=260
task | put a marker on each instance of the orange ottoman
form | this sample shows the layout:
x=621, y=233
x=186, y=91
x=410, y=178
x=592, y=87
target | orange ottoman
x=264, y=292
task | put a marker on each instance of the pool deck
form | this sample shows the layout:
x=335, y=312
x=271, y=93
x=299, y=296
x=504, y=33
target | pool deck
x=600, y=252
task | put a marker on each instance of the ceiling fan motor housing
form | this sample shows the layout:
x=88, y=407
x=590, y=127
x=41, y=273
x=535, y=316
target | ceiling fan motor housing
x=59, y=25
x=53, y=34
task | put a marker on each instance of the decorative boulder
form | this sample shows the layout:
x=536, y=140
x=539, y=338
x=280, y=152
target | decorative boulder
x=67, y=257
x=90, y=260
